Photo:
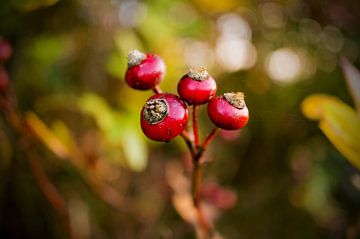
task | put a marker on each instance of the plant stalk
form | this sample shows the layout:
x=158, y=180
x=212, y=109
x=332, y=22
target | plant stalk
x=195, y=125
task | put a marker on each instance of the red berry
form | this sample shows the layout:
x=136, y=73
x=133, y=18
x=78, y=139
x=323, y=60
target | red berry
x=4, y=79
x=197, y=87
x=5, y=50
x=229, y=111
x=163, y=117
x=145, y=71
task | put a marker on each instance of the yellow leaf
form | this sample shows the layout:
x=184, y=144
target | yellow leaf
x=218, y=6
x=338, y=121
x=344, y=122
x=47, y=136
x=62, y=132
x=313, y=105
x=349, y=151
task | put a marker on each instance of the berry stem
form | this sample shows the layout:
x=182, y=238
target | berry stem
x=157, y=90
x=195, y=125
x=204, y=224
x=189, y=143
x=197, y=151
x=209, y=138
x=197, y=180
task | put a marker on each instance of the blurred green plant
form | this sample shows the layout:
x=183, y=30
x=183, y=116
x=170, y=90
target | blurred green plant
x=32, y=5
x=120, y=130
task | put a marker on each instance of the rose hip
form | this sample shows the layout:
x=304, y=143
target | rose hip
x=163, y=117
x=197, y=86
x=229, y=111
x=145, y=71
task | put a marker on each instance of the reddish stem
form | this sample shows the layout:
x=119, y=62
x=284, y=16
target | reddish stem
x=49, y=190
x=204, y=224
x=189, y=143
x=209, y=138
x=195, y=125
x=157, y=90
x=197, y=180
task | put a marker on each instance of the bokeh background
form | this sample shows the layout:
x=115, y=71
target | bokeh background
x=67, y=72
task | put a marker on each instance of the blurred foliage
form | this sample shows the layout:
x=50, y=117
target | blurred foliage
x=32, y=5
x=339, y=122
x=120, y=130
x=67, y=73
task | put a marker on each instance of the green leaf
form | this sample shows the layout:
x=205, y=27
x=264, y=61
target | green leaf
x=134, y=149
x=116, y=65
x=48, y=48
x=120, y=131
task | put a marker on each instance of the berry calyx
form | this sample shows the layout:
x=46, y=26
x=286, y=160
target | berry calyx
x=163, y=117
x=235, y=99
x=197, y=86
x=156, y=111
x=229, y=111
x=145, y=71
x=5, y=50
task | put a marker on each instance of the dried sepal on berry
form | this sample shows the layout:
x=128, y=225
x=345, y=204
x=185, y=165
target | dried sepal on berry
x=198, y=74
x=135, y=57
x=236, y=99
x=155, y=111
x=163, y=117
x=228, y=111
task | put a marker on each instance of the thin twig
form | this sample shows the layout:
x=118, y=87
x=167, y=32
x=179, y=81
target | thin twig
x=189, y=143
x=46, y=186
x=195, y=125
x=196, y=151
x=50, y=192
x=197, y=181
x=209, y=138
x=204, y=223
x=157, y=90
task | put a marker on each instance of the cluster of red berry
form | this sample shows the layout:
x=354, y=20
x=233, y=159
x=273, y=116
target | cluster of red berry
x=5, y=54
x=165, y=116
